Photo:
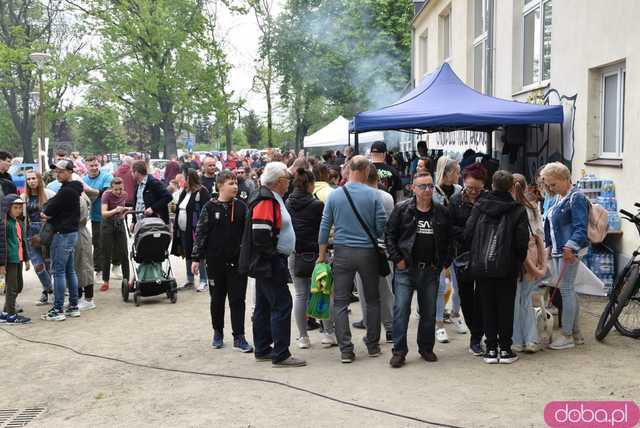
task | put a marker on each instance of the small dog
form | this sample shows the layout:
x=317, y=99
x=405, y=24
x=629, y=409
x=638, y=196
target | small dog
x=544, y=321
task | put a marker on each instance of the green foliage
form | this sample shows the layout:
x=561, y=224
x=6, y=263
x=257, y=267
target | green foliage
x=252, y=129
x=341, y=57
x=97, y=128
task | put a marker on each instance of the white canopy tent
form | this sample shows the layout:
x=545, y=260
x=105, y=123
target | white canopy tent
x=337, y=134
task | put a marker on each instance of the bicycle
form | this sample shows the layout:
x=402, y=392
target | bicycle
x=623, y=308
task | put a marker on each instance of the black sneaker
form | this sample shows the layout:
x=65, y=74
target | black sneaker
x=389, y=337
x=17, y=319
x=72, y=312
x=261, y=358
x=353, y=298
x=397, y=360
x=359, y=325
x=508, y=357
x=347, y=357
x=491, y=356
x=374, y=352
x=312, y=324
x=476, y=349
x=429, y=357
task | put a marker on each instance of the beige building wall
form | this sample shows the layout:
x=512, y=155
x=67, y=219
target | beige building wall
x=587, y=36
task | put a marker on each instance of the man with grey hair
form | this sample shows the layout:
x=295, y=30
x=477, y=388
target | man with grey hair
x=354, y=252
x=267, y=242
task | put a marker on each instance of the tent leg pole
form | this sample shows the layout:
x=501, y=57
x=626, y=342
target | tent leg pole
x=490, y=143
x=356, y=145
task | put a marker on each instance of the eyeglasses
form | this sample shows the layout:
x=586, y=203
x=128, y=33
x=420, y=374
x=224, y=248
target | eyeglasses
x=473, y=189
x=424, y=186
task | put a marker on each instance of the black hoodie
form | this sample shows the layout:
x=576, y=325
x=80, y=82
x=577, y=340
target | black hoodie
x=498, y=204
x=306, y=214
x=64, y=208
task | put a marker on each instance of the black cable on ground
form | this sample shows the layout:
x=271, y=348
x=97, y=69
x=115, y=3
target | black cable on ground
x=226, y=376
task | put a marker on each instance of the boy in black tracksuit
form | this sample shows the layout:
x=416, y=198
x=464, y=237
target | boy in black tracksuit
x=217, y=241
x=497, y=255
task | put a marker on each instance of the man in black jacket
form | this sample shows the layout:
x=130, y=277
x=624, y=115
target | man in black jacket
x=498, y=234
x=221, y=223
x=417, y=239
x=63, y=213
x=267, y=242
x=150, y=196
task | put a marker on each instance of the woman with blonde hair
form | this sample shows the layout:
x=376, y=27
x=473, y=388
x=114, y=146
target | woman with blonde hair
x=565, y=232
x=525, y=332
x=447, y=177
x=35, y=196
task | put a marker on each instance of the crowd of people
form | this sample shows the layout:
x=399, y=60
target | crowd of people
x=482, y=242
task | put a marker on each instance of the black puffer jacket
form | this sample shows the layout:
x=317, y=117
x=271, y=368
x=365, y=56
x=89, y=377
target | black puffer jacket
x=64, y=208
x=306, y=214
x=400, y=233
x=219, y=232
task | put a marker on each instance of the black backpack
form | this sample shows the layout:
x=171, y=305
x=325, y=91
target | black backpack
x=492, y=246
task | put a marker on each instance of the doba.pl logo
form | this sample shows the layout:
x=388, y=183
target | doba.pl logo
x=592, y=414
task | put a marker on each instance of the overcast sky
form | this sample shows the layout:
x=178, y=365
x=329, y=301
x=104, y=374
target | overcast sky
x=242, y=36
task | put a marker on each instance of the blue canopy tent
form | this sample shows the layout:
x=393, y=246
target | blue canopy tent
x=442, y=102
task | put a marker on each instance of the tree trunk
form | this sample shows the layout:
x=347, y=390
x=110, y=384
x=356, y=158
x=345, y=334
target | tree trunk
x=269, y=117
x=155, y=139
x=228, y=131
x=166, y=114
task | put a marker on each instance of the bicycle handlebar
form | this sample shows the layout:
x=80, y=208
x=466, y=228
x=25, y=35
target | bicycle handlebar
x=626, y=213
x=637, y=204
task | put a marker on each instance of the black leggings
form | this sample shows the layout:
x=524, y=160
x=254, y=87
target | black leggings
x=227, y=281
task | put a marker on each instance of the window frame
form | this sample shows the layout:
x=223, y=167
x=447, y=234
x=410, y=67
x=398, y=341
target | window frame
x=424, y=53
x=481, y=39
x=618, y=70
x=526, y=10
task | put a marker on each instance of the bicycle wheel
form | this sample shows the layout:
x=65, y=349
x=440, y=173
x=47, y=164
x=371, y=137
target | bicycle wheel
x=622, y=292
x=628, y=322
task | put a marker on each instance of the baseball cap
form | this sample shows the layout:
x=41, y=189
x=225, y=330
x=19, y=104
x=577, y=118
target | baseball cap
x=379, y=147
x=62, y=164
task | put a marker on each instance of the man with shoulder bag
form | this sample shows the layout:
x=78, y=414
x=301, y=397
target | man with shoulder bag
x=417, y=239
x=358, y=216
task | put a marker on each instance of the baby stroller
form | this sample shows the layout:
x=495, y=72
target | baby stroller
x=150, y=266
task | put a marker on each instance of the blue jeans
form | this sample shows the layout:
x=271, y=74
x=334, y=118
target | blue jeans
x=64, y=271
x=570, y=307
x=37, y=258
x=442, y=288
x=525, y=329
x=272, y=315
x=425, y=282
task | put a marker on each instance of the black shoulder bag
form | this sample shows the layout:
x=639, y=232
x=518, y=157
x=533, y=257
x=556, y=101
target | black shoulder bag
x=383, y=264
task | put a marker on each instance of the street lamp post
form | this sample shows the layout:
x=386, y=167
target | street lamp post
x=39, y=58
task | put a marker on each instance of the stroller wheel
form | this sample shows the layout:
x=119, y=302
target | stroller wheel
x=125, y=290
x=136, y=298
x=173, y=297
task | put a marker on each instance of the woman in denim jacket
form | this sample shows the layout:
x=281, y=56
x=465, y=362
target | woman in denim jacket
x=565, y=232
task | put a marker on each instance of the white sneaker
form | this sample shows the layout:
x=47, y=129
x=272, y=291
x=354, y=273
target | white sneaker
x=304, y=342
x=116, y=272
x=86, y=305
x=441, y=335
x=562, y=342
x=99, y=277
x=201, y=287
x=531, y=348
x=459, y=325
x=517, y=348
x=329, y=340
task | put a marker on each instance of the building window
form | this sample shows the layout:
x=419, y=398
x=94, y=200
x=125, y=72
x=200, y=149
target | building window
x=481, y=19
x=612, y=112
x=536, y=42
x=445, y=34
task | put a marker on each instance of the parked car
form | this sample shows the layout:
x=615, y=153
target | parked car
x=18, y=173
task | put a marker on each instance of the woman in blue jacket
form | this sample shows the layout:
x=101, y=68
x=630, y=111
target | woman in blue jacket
x=565, y=231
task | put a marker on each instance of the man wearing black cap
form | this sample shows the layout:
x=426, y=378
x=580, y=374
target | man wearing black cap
x=389, y=176
x=63, y=213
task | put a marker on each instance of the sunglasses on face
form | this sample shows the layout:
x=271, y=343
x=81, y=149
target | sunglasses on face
x=424, y=186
